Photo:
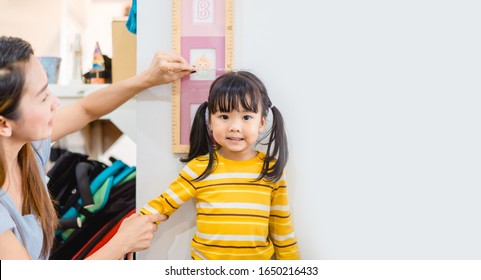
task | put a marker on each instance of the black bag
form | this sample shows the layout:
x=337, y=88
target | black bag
x=70, y=178
x=74, y=232
x=122, y=200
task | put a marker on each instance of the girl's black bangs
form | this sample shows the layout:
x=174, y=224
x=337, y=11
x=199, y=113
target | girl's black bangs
x=237, y=95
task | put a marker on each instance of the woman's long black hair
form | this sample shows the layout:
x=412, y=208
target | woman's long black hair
x=236, y=91
x=15, y=53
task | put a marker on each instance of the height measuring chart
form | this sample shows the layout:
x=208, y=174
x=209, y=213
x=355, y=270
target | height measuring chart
x=202, y=33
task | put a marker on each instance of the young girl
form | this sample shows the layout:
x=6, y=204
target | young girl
x=241, y=194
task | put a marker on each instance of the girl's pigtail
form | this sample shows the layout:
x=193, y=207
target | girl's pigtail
x=200, y=140
x=276, y=146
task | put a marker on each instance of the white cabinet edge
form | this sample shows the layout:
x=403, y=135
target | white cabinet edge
x=75, y=91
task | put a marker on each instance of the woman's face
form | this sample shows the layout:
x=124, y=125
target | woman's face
x=37, y=106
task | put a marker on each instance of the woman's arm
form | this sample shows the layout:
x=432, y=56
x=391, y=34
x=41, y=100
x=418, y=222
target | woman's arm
x=135, y=234
x=10, y=247
x=165, y=68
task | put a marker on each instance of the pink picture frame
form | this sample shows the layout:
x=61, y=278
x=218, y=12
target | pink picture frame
x=202, y=34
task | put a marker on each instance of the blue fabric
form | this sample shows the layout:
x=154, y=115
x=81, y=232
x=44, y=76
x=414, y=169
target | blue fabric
x=132, y=20
x=42, y=150
x=111, y=171
x=100, y=188
x=26, y=228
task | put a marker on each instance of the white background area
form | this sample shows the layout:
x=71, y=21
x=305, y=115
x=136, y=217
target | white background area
x=382, y=104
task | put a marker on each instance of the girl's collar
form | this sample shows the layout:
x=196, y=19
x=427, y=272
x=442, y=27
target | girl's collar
x=222, y=158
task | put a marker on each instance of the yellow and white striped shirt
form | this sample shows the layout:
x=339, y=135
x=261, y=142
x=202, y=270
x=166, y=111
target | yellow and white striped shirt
x=237, y=216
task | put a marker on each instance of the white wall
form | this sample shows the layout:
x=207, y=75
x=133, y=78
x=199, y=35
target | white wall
x=157, y=166
x=381, y=101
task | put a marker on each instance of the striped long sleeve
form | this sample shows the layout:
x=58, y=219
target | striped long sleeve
x=180, y=191
x=281, y=228
x=238, y=217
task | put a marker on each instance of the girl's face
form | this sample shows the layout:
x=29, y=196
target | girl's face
x=236, y=132
x=37, y=106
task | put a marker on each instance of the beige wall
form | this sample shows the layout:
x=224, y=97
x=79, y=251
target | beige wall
x=36, y=21
x=51, y=25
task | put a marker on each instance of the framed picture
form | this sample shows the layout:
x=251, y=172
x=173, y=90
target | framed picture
x=202, y=33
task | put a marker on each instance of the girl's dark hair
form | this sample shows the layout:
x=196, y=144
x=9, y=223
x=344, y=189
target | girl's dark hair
x=237, y=91
x=15, y=53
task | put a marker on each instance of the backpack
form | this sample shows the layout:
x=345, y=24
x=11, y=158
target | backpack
x=99, y=191
x=90, y=194
x=78, y=243
x=69, y=180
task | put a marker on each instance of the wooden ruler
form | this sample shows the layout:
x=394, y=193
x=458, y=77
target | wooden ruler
x=177, y=147
x=229, y=34
x=176, y=32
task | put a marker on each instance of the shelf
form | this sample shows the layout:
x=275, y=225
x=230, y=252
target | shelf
x=75, y=91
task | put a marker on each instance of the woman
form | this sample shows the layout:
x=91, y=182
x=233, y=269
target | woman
x=29, y=121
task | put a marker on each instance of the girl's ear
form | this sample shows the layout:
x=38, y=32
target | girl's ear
x=262, y=125
x=5, y=127
x=209, y=123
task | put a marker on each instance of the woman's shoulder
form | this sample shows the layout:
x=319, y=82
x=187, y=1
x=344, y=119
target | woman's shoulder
x=6, y=220
x=42, y=150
